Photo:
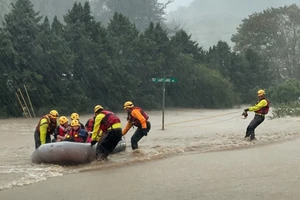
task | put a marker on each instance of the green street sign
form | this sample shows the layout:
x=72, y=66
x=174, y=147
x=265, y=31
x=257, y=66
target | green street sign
x=170, y=80
x=166, y=80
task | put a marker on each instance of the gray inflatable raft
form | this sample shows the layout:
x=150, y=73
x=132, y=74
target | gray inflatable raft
x=69, y=153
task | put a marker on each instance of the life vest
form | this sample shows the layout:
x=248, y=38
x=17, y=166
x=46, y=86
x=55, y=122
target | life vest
x=90, y=124
x=81, y=125
x=134, y=120
x=263, y=110
x=62, y=131
x=51, y=125
x=79, y=135
x=109, y=119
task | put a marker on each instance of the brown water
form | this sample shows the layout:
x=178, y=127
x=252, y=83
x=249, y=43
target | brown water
x=185, y=131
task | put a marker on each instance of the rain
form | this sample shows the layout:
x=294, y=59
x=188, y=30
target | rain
x=198, y=72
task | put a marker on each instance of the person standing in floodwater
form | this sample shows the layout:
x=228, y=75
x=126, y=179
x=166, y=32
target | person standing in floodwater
x=107, y=123
x=136, y=117
x=45, y=128
x=261, y=108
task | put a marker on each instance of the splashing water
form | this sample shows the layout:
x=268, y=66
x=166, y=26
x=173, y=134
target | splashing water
x=223, y=132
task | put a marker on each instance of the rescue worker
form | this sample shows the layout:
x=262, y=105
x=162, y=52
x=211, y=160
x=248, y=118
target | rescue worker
x=76, y=116
x=136, y=117
x=76, y=134
x=45, y=128
x=261, y=108
x=106, y=123
x=61, y=130
x=89, y=126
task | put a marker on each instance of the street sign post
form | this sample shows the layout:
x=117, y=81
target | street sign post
x=164, y=80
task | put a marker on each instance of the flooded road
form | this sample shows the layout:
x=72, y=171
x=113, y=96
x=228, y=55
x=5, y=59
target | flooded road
x=185, y=131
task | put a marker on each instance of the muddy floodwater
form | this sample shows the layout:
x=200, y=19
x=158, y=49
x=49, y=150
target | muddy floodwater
x=183, y=145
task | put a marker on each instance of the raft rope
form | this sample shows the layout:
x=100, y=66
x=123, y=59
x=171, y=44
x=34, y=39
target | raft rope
x=203, y=118
x=186, y=121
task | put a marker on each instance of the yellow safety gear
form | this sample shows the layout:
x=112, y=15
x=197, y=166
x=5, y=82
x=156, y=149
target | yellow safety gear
x=97, y=107
x=261, y=93
x=43, y=130
x=74, y=116
x=263, y=103
x=128, y=104
x=97, y=132
x=75, y=122
x=62, y=120
x=53, y=114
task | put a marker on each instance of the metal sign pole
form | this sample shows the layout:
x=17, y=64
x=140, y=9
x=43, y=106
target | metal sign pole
x=164, y=80
x=163, y=104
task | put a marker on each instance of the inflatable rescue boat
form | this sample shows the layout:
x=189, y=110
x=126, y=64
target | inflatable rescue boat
x=69, y=153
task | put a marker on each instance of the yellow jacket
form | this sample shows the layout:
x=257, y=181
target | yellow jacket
x=45, y=126
x=260, y=105
x=43, y=130
x=97, y=132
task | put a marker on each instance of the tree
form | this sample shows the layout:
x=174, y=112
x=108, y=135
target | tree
x=52, y=8
x=88, y=42
x=78, y=64
x=57, y=59
x=183, y=43
x=274, y=34
x=219, y=58
x=247, y=71
x=22, y=25
x=5, y=7
x=139, y=12
x=123, y=38
x=287, y=92
x=199, y=86
x=57, y=27
x=8, y=105
x=156, y=59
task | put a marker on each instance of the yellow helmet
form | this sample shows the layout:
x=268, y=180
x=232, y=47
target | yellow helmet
x=75, y=122
x=53, y=114
x=261, y=93
x=75, y=116
x=62, y=120
x=128, y=104
x=97, y=107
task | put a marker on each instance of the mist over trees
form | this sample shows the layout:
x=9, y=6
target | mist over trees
x=274, y=34
x=78, y=62
x=214, y=20
x=140, y=13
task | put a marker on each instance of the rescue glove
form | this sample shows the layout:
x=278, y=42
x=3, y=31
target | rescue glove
x=144, y=131
x=245, y=114
x=93, y=142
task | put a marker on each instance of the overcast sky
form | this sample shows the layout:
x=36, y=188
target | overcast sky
x=173, y=6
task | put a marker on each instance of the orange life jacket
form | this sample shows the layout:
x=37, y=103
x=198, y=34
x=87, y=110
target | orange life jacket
x=109, y=119
x=51, y=125
x=134, y=120
x=263, y=110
